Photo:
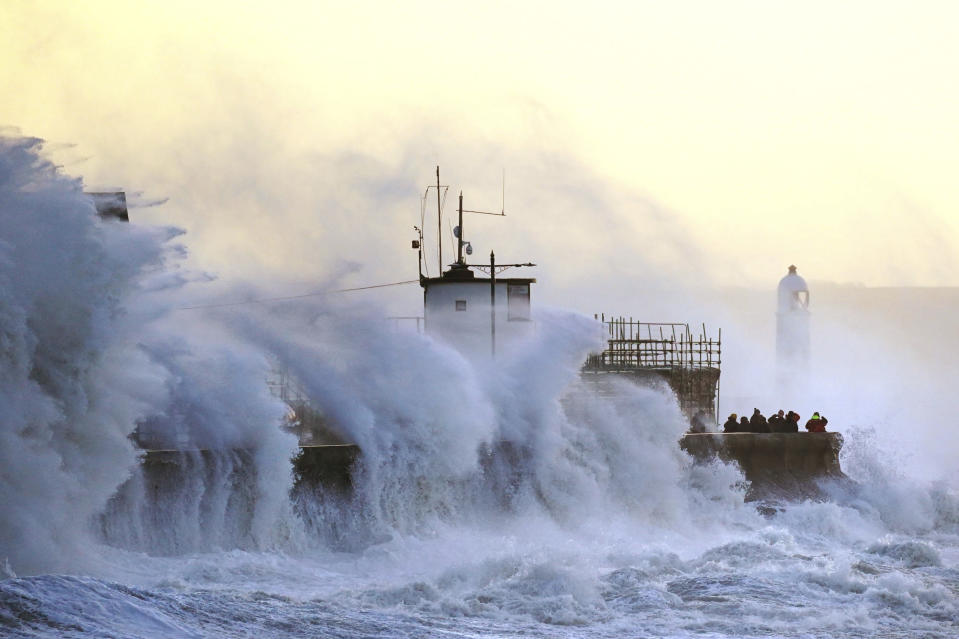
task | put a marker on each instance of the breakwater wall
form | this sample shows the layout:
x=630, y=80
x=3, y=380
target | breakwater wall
x=321, y=464
x=197, y=500
x=776, y=465
x=193, y=492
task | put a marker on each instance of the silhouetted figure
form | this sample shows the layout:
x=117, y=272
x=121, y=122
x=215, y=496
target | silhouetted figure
x=731, y=425
x=744, y=425
x=816, y=424
x=773, y=423
x=792, y=422
x=777, y=423
x=758, y=423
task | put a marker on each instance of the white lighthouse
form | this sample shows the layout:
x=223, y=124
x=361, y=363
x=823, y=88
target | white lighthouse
x=792, y=335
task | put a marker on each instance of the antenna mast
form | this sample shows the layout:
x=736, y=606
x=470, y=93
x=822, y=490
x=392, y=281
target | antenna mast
x=459, y=236
x=439, y=220
x=492, y=304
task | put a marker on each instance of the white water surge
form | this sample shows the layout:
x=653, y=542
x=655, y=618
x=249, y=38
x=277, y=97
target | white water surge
x=591, y=522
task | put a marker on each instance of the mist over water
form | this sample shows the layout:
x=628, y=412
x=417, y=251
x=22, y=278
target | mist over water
x=491, y=499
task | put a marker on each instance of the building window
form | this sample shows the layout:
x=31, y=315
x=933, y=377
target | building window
x=461, y=305
x=517, y=302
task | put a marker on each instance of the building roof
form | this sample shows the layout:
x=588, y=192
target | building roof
x=463, y=274
x=434, y=281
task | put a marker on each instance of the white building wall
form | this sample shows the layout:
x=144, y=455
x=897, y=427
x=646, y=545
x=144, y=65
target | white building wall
x=469, y=329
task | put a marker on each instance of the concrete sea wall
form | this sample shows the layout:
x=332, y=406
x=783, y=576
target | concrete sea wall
x=777, y=465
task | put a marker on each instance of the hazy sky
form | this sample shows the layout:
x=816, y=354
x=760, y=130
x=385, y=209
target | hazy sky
x=646, y=140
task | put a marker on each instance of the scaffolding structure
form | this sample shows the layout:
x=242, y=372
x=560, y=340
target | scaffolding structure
x=663, y=351
x=305, y=419
x=284, y=386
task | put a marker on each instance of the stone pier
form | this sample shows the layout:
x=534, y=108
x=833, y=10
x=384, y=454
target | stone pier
x=777, y=465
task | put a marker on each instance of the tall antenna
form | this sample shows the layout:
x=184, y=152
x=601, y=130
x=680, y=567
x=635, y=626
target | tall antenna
x=439, y=220
x=459, y=234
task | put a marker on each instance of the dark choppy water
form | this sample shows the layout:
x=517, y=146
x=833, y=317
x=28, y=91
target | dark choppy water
x=764, y=580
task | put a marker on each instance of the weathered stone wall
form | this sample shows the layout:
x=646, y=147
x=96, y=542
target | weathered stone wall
x=695, y=388
x=327, y=464
x=777, y=465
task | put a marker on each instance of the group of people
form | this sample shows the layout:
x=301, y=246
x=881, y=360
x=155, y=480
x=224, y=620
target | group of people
x=777, y=423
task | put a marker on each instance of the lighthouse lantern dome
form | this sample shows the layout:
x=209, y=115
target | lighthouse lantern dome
x=793, y=293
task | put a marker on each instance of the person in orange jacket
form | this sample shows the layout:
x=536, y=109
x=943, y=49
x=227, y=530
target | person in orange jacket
x=816, y=424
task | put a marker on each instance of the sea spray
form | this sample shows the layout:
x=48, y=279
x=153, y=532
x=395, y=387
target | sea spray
x=92, y=347
x=67, y=361
x=182, y=502
x=883, y=493
x=453, y=439
x=229, y=486
x=100, y=350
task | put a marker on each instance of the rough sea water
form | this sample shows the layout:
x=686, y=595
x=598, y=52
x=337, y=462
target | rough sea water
x=592, y=523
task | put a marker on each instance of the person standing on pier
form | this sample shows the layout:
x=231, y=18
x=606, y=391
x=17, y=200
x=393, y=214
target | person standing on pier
x=792, y=422
x=777, y=423
x=816, y=424
x=731, y=425
x=758, y=424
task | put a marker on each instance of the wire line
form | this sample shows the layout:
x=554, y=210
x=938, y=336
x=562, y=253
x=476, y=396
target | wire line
x=294, y=297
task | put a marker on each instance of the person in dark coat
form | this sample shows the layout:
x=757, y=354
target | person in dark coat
x=744, y=425
x=792, y=422
x=758, y=423
x=773, y=422
x=731, y=425
x=777, y=423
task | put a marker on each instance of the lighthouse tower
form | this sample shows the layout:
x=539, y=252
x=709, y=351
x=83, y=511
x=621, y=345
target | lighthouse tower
x=792, y=335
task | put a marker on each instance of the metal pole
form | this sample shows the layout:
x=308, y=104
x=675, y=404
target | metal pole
x=459, y=243
x=492, y=303
x=719, y=358
x=439, y=221
x=419, y=233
